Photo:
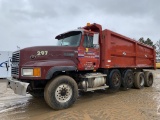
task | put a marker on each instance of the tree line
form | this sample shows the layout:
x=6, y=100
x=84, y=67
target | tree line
x=156, y=46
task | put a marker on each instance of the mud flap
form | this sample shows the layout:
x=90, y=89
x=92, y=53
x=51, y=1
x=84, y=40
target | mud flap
x=18, y=87
x=3, y=86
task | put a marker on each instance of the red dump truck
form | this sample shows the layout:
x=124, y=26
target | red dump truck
x=85, y=59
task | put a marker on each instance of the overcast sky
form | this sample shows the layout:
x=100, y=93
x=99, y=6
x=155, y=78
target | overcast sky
x=27, y=23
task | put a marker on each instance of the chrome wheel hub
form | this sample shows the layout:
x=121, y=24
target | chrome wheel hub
x=63, y=93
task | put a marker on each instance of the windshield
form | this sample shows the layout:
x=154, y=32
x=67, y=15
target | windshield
x=69, y=39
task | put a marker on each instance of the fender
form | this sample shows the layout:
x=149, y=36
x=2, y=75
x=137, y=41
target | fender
x=49, y=67
x=59, y=68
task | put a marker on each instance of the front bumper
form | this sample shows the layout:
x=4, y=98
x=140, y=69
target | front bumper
x=18, y=87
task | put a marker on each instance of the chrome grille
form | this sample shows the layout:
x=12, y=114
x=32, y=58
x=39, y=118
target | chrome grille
x=15, y=63
x=15, y=57
x=15, y=71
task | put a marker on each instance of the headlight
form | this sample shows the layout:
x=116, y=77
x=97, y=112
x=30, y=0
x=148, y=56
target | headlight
x=27, y=72
x=32, y=72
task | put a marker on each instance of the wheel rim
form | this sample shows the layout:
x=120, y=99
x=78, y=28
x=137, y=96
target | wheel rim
x=63, y=93
x=150, y=80
x=141, y=80
x=129, y=79
x=116, y=79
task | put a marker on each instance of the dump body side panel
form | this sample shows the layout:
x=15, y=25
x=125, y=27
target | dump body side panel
x=118, y=51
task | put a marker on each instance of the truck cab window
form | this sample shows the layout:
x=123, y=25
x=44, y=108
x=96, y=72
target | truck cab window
x=88, y=41
x=69, y=39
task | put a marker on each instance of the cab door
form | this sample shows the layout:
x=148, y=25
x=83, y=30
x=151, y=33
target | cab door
x=88, y=54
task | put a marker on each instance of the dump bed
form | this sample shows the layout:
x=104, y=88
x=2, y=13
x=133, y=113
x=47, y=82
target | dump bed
x=118, y=51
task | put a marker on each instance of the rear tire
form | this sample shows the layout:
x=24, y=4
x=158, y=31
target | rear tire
x=139, y=80
x=61, y=92
x=128, y=78
x=114, y=79
x=148, y=79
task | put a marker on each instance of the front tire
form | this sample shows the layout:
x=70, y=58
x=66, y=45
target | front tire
x=61, y=92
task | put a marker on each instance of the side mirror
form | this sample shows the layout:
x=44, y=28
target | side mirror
x=96, y=39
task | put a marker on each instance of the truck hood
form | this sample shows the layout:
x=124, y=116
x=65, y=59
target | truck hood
x=48, y=53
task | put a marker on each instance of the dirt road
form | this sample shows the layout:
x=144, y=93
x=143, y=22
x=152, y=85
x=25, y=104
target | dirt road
x=132, y=104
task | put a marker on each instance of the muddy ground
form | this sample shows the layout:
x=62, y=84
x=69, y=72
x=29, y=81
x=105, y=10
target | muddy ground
x=132, y=104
